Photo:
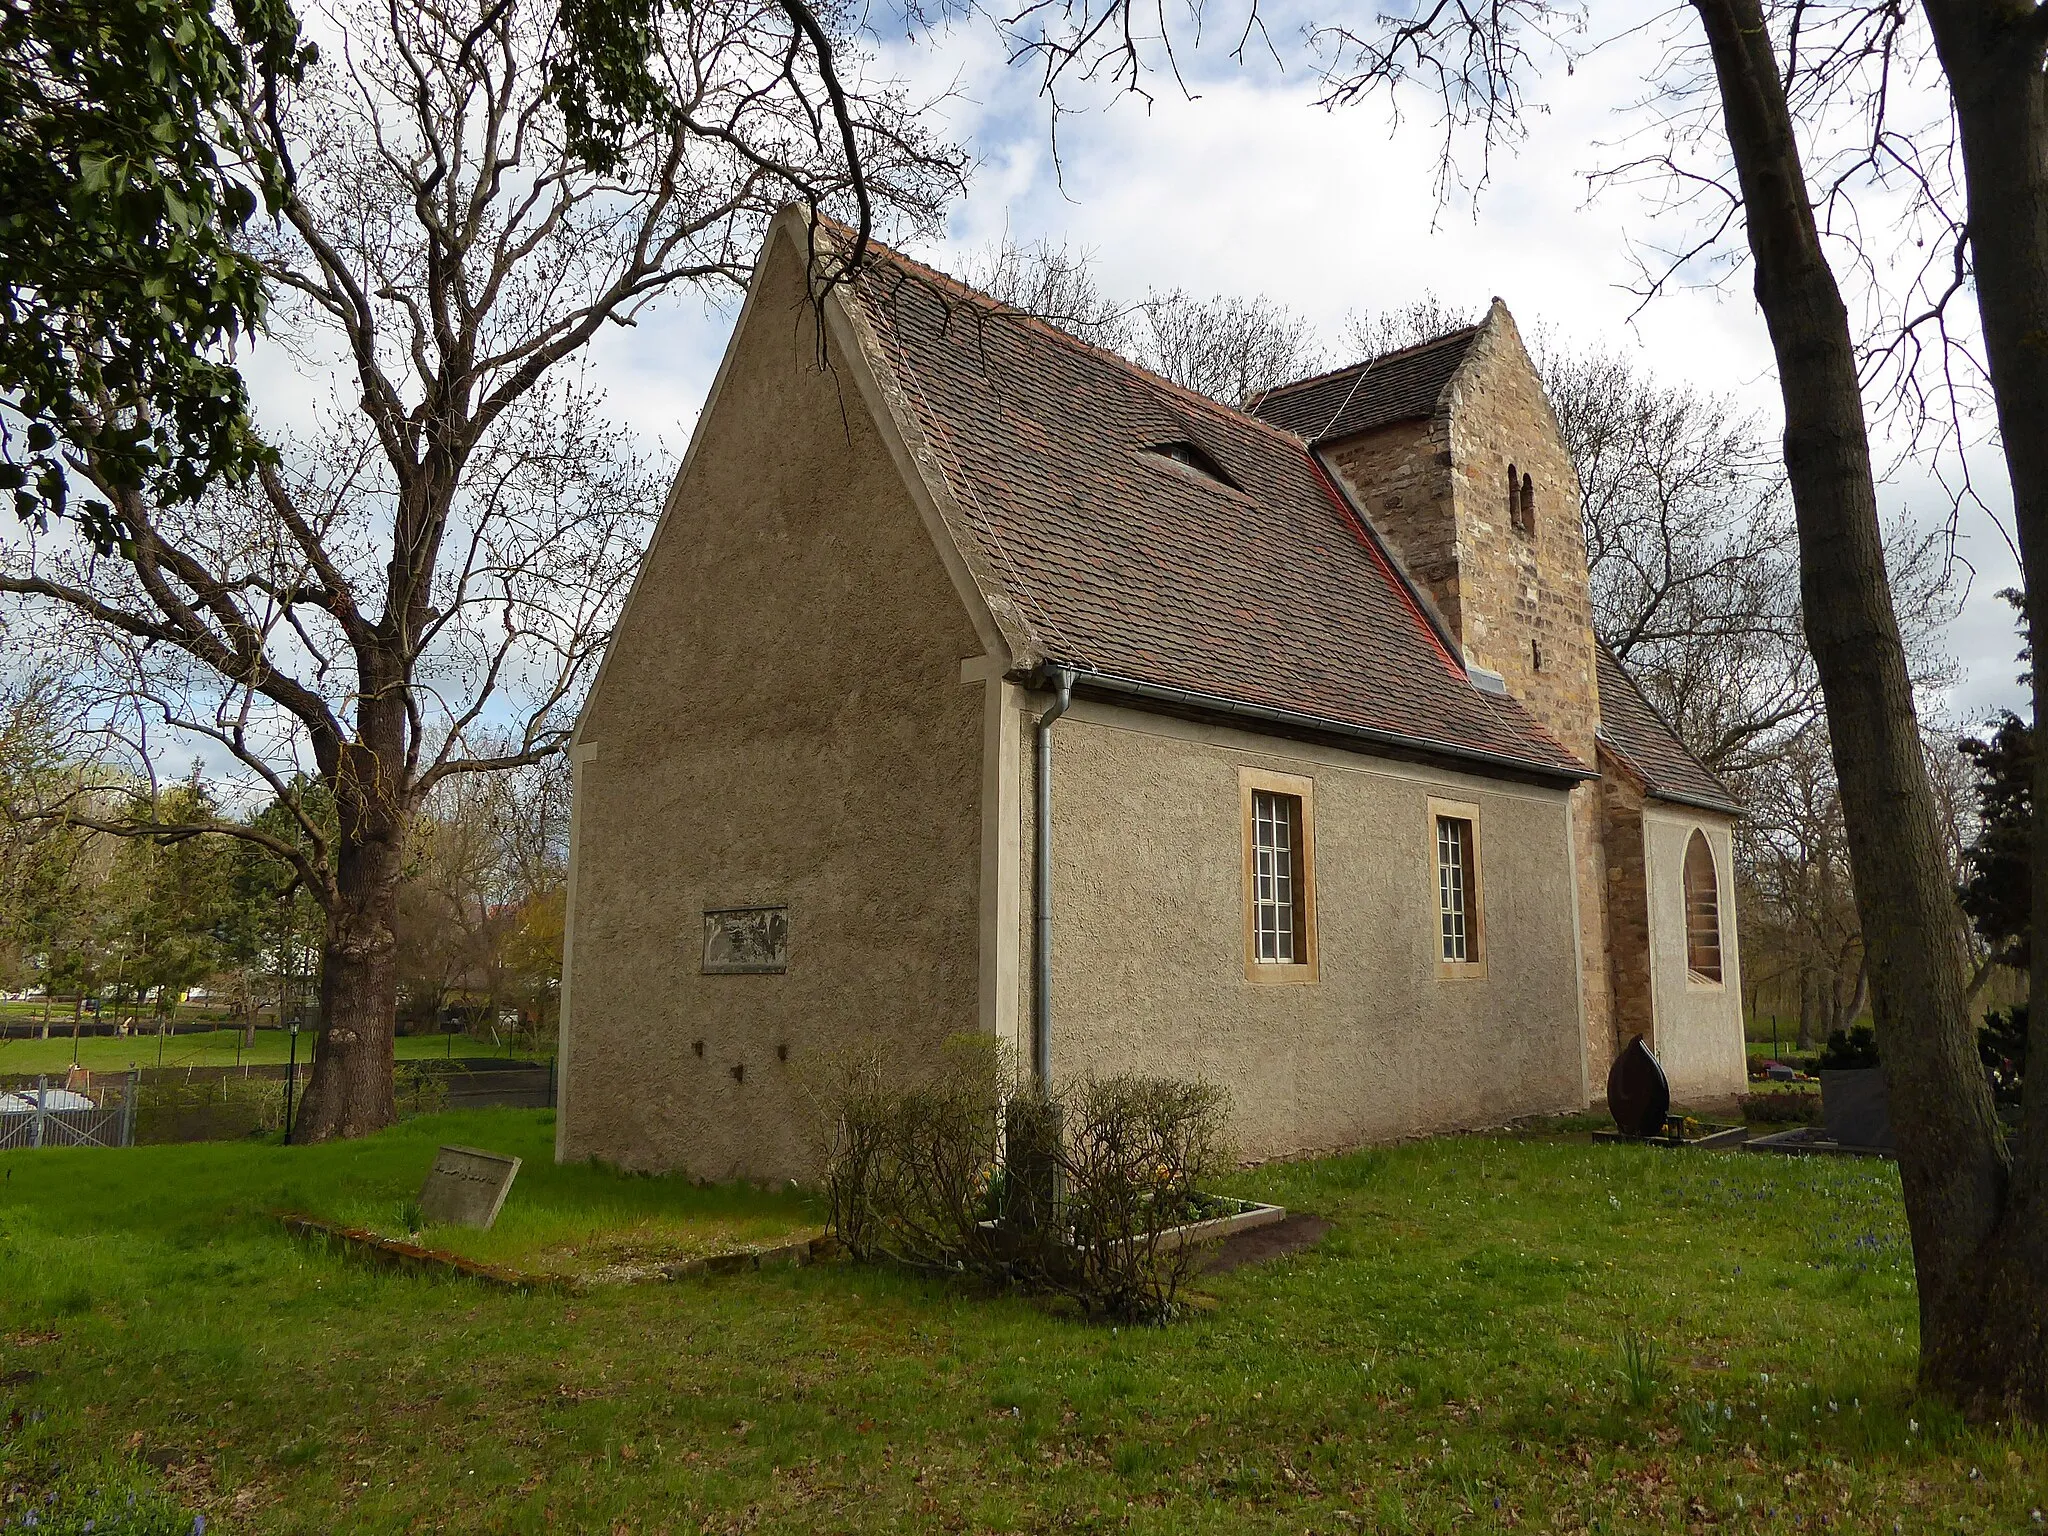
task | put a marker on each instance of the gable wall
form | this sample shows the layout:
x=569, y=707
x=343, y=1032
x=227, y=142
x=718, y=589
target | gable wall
x=781, y=720
x=1520, y=591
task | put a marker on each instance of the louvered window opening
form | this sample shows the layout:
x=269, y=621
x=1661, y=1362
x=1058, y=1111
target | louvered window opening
x=1702, y=912
x=1276, y=878
x=1454, y=885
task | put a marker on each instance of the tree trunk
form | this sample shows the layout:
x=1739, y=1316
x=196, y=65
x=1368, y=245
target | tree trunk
x=1993, y=56
x=1951, y=1159
x=1859, y=995
x=1807, y=1009
x=351, y=1091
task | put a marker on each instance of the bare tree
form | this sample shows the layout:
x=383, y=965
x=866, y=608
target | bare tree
x=419, y=590
x=1225, y=347
x=1230, y=349
x=1375, y=332
x=1056, y=283
x=1755, y=80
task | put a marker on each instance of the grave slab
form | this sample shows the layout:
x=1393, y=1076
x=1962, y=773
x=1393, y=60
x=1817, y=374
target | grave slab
x=466, y=1187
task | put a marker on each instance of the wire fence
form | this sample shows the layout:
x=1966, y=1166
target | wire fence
x=78, y=1114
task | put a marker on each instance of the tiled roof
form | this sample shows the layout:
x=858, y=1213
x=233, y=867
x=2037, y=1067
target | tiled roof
x=1631, y=727
x=1267, y=592
x=1397, y=386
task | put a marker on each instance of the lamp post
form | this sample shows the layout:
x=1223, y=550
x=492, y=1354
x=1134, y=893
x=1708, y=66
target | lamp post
x=291, y=1080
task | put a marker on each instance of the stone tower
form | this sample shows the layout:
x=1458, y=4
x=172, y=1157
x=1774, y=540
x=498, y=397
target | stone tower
x=1452, y=450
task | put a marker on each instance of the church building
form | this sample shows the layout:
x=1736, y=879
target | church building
x=978, y=680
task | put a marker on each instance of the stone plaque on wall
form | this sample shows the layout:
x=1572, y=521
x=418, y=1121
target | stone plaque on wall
x=466, y=1187
x=746, y=941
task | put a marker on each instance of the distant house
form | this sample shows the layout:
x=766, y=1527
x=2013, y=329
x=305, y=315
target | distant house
x=1349, y=811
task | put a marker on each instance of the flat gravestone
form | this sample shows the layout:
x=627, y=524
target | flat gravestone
x=466, y=1187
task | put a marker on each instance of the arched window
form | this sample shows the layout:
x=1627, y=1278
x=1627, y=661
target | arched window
x=1527, y=521
x=1702, y=911
x=1514, y=498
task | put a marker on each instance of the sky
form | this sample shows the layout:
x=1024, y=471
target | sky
x=1252, y=188
x=1245, y=186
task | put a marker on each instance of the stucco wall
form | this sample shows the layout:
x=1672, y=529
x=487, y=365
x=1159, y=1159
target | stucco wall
x=781, y=720
x=1148, y=939
x=1698, y=1033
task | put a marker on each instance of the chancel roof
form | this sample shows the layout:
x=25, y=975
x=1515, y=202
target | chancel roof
x=1649, y=747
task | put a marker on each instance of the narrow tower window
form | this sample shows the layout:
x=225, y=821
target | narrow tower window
x=1514, y=498
x=1702, y=911
x=1526, y=506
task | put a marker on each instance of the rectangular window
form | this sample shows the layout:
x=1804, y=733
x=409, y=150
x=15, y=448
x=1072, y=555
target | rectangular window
x=1279, y=876
x=1460, y=924
x=1454, y=884
x=1276, y=910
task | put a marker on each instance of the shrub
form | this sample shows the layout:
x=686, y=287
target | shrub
x=225, y=1109
x=1849, y=1049
x=1135, y=1152
x=2002, y=1043
x=912, y=1166
x=419, y=1089
x=964, y=1169
x=1781, y=1108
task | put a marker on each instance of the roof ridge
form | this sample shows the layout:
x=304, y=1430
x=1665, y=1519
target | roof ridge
x=1369, y=362
x=1058, y=333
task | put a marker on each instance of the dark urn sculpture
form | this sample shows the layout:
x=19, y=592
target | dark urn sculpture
x=1638, y=1096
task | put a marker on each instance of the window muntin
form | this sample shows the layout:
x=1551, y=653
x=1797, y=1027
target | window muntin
x=1457, y=891
x=1702, y=912
x=1276, y=892
x=1279, y=876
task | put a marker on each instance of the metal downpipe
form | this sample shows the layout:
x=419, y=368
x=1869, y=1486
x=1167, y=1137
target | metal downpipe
x=1062, y=680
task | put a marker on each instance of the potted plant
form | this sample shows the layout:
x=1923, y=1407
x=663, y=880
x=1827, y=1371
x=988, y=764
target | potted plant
x=1854, y=1104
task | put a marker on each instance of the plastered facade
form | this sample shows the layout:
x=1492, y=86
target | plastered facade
x=782, y=719
x=1149, y=954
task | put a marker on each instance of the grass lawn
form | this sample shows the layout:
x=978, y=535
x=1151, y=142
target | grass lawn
x=217, y=1048
x=1500, y=1333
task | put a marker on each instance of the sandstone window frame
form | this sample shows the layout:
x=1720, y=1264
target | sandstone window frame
x=1704, y=950
x=1472, y=885
x=1306, y=965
